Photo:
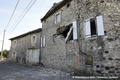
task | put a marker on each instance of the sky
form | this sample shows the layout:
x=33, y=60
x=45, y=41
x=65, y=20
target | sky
x=30, y=21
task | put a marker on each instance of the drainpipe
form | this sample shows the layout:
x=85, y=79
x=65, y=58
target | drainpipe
x=80, y=38
x=40, y=47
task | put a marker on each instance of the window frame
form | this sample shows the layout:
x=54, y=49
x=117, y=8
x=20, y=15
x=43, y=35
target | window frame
x=57, y=15
x=14, y=43
x=33, y=41
x=99, y=25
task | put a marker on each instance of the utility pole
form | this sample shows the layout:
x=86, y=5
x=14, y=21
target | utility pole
x=2, y=44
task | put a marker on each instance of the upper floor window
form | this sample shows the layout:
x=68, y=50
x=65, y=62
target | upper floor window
x=14, y=43
x=94, y=27
x=58, y=18
x=33, y=39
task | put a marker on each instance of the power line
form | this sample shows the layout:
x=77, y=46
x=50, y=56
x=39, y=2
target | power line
x=7, y=27
x=12, y=14
x=23, y=15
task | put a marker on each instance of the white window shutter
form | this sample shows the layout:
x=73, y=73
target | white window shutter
x=75, y=30
x=100, y=25
x=88, y=29
x=44, y=41
x=41, y=42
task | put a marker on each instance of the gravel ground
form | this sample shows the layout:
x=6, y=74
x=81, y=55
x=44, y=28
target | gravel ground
x=11, y=71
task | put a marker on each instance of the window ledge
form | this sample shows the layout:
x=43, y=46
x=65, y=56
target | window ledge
x=93, y=37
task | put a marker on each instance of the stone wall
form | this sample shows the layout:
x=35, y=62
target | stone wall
x=104, y=49
x=22, y=46
x=57, y=53
x=99, y=55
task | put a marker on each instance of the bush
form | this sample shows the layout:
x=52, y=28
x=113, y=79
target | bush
x=5, y=53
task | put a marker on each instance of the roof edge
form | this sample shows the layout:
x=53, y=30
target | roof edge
x=50, y=12
x=30, y=32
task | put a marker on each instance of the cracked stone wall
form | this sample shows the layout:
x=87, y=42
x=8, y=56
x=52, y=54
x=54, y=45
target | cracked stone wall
x=57, y=53
x=104, y=49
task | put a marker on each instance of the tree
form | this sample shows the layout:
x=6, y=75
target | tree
x=5, y=53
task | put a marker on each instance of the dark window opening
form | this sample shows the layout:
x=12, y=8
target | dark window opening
x=68, y=33
x=68, y=5
x=71, y=36
x=65, y=32
x=93, y=26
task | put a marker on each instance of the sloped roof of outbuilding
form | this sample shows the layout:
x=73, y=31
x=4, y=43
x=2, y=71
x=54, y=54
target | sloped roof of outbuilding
x=55, y=7
x=30, y=32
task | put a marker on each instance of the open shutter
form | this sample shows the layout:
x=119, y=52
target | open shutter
x=88, y=30
x=41, y=42
x=75, y=30
x=68, y=34
x=100, y=26
x=44, y=41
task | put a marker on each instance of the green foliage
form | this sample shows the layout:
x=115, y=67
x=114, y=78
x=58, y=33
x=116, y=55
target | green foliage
x=5, y=53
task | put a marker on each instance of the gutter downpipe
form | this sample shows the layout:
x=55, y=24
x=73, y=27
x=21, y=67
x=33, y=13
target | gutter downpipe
x=40, y=48
x=79, y=38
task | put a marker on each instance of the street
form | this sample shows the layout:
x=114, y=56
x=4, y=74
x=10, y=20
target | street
x=10, y=71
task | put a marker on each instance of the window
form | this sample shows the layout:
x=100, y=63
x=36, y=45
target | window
x=14, y=43
x=57, y=18
x=89, y=60
x=69, y=35
x=33, y=39
x=14, y=55
x=94, y=27
x=43, y=42
x=69, y=32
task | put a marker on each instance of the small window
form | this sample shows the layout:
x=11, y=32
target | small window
x=68, y=5
x=14, y=43
x=33, y=39
x=57, y=18
x=14, y=55
x=89, y=60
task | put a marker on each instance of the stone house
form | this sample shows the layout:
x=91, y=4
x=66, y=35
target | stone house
x=83, y=35
x=25, y=48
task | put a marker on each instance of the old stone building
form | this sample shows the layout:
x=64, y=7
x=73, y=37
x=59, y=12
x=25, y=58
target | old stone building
x=83, y=35
x=25, y=48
